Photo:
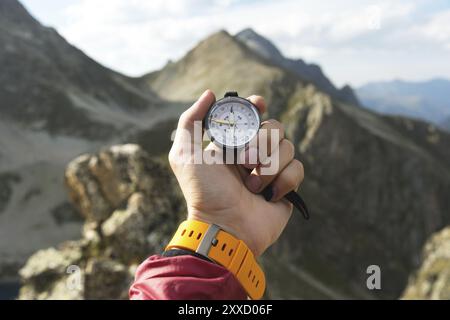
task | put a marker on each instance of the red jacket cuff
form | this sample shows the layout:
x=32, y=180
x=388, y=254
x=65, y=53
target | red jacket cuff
x=184, y=277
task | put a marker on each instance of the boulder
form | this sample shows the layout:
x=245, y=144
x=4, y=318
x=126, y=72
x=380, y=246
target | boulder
x=84, y=191
x=107, y=279
x=130, y=204
x=48, y=272
x=432, y=279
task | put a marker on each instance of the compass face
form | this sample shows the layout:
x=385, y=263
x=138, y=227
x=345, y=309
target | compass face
x=232, y=122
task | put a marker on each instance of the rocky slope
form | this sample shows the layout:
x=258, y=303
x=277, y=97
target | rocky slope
x=55, y=103
x=130, y=205
x=63, y=91
x=432, y=279
x=377, y=193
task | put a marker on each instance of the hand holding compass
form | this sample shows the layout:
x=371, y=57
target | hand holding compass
x=225, y=194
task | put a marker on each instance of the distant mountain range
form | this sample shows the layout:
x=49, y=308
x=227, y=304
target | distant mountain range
x=376, y=185
x=427, y=100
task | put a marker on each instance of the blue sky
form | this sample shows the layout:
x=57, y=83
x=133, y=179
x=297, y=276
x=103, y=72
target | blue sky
x=353, y=41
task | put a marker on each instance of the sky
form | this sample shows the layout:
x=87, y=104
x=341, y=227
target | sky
x=354, y=41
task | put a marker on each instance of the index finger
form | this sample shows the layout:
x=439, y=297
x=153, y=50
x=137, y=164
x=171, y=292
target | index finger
x=259, y=102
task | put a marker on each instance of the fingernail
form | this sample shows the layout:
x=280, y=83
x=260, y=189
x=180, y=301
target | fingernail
x=254, y=183
x=267, y=193
x=274, y=193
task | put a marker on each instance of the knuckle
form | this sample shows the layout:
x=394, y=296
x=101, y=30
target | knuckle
x=299, y=168
x=175, y=157
x=256, y=98
x=280, y=127
x=290, y=148
x=291, y=182
x=171, y=157
x=272, y=125
x=260, y=101
x=275, y=123
x=184, y=118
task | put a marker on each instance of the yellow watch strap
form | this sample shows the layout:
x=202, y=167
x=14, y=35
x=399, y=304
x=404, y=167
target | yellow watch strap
x=223, y=248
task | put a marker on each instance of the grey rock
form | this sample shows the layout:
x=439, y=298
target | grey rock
x=432, y=279
x=45, y=275
x=84, y=191
x=131, y=207
x=106, y=279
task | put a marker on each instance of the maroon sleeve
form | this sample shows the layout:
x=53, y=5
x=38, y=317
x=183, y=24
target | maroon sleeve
x=184, y=277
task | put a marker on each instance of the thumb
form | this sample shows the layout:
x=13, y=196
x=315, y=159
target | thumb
x=197, y=111
x=190, y=122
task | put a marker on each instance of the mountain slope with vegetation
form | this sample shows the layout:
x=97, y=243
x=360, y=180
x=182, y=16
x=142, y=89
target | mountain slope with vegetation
x=55, y=103
x=362, y=170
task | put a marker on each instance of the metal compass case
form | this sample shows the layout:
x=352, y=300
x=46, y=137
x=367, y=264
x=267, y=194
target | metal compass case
x=231, y=123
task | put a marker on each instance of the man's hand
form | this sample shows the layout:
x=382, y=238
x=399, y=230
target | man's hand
x=227, y=195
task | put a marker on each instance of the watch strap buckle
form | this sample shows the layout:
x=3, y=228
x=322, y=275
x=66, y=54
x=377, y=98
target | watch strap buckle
x=208, y=240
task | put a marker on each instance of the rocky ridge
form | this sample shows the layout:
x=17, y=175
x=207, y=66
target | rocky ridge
x=432, y=279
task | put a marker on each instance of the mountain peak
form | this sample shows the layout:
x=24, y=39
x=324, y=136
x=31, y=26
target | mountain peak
x=218, y=35
x=260, y=44
x=308, y=72
x=12, y=12
x=249, y=33
x=220, y=62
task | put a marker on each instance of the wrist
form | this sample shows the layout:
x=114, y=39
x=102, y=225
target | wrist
x=224, y=249
x=232, y=227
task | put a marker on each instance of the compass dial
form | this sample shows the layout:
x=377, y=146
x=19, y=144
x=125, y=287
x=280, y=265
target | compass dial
x=232, y=122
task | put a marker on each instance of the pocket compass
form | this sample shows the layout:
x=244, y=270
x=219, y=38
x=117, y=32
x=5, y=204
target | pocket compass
x=232, y=122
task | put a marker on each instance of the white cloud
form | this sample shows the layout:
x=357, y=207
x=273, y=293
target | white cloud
x=137, y=36
x=437, y=29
